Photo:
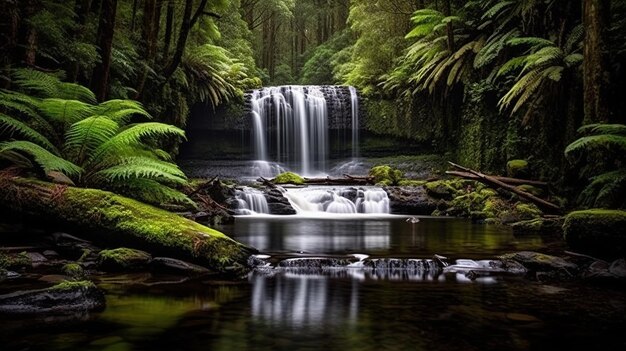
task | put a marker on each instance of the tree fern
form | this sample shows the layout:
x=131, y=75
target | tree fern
x=610, y=142
x=45, y=85
x=598, y=128
x=84, y=136
x=44, y=158
x=65, y=111
x=607, y=190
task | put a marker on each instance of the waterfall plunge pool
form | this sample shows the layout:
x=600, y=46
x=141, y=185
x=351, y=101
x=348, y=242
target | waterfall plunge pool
x=334, y=310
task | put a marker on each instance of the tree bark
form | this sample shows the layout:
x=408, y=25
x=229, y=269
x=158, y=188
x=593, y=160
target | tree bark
x=169, y=23
x=447, y=11
x=187, y=24
x=596, y=18
x=115, y=221
x=106, y=29
x=81, y=9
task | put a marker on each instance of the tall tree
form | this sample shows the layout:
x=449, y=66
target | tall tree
x=596, y=18
x=106, y=29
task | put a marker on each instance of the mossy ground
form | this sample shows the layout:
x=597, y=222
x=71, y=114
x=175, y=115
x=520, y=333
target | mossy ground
x=386, y=175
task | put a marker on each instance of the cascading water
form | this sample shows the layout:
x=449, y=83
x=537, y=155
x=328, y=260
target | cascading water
x=370, y=200
x=291, y=126
x=251, y=201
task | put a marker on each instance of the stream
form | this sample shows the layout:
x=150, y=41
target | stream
x=341, y=309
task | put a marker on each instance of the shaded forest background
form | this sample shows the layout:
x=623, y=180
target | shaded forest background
x=482, y=81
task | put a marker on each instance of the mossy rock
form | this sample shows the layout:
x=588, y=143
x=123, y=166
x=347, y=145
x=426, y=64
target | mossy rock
x=14, y=261
x=122, y=259
x=598, y=232
x=526, y=211
x=74, y=271
x=411, y=182
x=538, y=225
x=289, y=178
x=441, y=189
x=531, y=189
x=517, y=168
x=386, y=175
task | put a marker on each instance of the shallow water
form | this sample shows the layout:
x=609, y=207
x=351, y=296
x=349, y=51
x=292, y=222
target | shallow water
x=341, y=309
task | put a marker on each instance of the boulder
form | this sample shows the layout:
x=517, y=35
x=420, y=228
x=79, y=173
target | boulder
x=66, y=297
x=597, y=232
x=278, y=204
x=410, y=200
x=538, y=262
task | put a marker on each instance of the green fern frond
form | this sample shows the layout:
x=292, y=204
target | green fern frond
x=85, y=136
x=65, y=111
x=607, y=190
x=72, y=91
x=603, y=141
x=12, y=125
x=534, y=42
x=39, y=83
x=144, y=170
x=497, y=9
x=600, y=128
x=43, y=157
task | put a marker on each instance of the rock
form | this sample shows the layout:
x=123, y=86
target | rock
x=441, y=189
x=541, y=225
x=618, y=268
x=74, y=270
x=66, y=297
x=517, y=168
x=123, y=259
x=36, y=258
x=410, y=200
x=597, y=232
x=278, y=204
x=50, y=254
x=537, y=262
x=171, y=265
x=4, y=274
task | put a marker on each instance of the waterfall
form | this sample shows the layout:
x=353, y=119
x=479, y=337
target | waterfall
x=251, y=201
x=354, y=103
x=290, y=126
x=346, y=200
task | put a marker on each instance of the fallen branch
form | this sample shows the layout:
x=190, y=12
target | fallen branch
x=507, y=180
x=499, y=184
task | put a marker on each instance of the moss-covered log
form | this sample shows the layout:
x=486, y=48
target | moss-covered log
x=597, y=231
x=112, y=220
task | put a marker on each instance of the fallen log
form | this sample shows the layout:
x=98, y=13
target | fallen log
x=499, y=184
x=267, y=182
x=110, y=220
x=507, y=180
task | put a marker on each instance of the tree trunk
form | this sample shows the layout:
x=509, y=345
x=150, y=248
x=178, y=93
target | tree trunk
x=169, y=23
x=133, y=17
x=187, y=24
x=115, y=221
x=81, y=8
x=106, y=28
x=596, y=18
x=447, y=11
x=150, y=30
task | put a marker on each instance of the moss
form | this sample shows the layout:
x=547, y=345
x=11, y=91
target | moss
x=543, y=225
x=495, y=207
x=386, y=175
x=123, y=258
x=488, y=192
x=107, y=219
x=527, y=211
x=597, y=231
x=73, y=270
x=13, y=261
x=289, y=178
x=517, y=168
x=411, y=182
x=442, y=189
x=74, y=285
x=530, y=189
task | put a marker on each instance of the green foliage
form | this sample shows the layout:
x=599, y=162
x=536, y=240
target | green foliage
x=517, y=168
x=100, y=147
x=597, y=232
x=289, y=178
x=386, y=175
x=602, y=149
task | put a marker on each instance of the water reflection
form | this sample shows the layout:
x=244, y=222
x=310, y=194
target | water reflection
x=388, y=236
x=301, y=299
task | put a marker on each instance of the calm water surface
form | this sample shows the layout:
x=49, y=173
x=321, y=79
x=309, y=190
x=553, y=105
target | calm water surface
x=340, y=310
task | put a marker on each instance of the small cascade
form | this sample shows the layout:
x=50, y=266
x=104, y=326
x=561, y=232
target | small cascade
x=370, y=200
x=290, y=125
x=373, y=200
x=251, y=201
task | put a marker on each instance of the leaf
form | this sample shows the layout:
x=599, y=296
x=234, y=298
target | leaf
x=43, y=157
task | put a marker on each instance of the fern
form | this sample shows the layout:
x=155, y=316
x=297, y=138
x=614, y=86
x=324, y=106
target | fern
x=83, y=137
x=608, y=142
x=151, y=191
x=65, y=111
x=48, y=86
x=44, y=158
x=12, y=125
x=607, y=190
x=597, y=128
